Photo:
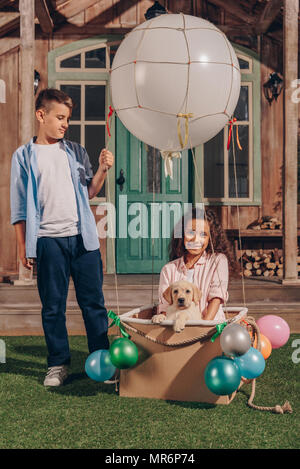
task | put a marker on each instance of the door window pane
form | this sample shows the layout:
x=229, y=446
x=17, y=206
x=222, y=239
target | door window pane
x=214, y=167
x=96, y=58
x=74, y=92
x=94, y=142
x=153, y=169
x=242, y=164
x=71, y=62
x=244, y=64
x=242, y=109
x=95, y=102
x=73, y=133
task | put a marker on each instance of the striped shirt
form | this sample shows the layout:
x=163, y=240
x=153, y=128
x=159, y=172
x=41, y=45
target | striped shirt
x=210, y=276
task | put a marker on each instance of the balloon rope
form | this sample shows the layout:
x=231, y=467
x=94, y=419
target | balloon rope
x=139, y=106
x=172, y=63
x=286, y=408
x=238, y=218
x=183, y=112
x=205, y=217
x=111, y=111
x=186, y=117
x=152, y=221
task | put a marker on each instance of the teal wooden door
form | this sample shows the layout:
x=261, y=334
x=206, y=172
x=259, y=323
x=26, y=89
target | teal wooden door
x=148, y=204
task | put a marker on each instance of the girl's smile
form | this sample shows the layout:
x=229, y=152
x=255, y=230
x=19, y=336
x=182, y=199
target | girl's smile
x=196, y=237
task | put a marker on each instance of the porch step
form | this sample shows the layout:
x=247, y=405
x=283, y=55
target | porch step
x=24, y=321
x=20, y=307
x=134, y=289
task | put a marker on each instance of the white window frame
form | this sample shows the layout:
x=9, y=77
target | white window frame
x=233, y=200
x=82, y=67
x=82, y=122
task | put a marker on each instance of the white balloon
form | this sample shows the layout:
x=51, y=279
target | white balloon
x=175, y=64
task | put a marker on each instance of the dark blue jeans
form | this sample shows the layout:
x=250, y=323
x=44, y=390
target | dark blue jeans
x=57, y=259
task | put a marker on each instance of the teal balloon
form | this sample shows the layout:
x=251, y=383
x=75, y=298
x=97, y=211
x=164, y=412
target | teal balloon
x=98, y=366
x=251, y=364
x=222, y=376
x=123, y=353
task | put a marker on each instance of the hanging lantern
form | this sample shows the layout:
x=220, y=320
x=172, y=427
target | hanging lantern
x=273, y=87
x=156, y=10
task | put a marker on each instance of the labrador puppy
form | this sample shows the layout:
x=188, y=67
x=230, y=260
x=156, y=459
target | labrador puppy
x=183, y=298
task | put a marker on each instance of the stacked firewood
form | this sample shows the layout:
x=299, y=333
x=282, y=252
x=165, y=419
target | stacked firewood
x=262, y=263
x=265, y=223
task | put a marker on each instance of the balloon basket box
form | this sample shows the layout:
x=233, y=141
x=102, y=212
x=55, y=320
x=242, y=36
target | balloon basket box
x=167, y=372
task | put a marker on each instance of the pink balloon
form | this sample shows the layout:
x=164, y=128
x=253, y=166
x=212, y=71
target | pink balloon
x=275, y=329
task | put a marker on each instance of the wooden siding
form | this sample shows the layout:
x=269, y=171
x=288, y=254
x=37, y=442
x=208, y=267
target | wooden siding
x=115, y=17
x=9, y=112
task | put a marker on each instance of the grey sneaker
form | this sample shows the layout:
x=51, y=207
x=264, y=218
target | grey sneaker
x=56, y=375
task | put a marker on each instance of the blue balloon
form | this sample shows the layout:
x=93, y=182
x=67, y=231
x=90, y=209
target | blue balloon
x=98, y=366
x=222, y=376
x=251, y=364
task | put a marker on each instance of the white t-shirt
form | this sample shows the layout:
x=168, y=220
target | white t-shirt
x=190, y=275
x=59, y=215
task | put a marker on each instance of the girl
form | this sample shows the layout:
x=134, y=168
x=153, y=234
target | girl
x=202, y=256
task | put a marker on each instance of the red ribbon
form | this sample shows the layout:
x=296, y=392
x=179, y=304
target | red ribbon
x=230, y=132
x=111, y=111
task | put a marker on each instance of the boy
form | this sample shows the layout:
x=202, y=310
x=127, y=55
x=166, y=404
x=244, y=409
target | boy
x=51, y=184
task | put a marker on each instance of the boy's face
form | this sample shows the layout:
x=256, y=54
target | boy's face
x=54, y=121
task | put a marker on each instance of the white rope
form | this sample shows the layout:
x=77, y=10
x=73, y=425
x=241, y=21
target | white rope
x=112, y=231
x=205, y=218
x=238, y=216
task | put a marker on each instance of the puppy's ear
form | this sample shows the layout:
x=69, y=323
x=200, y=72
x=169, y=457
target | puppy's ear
x=167, y=294
x=196, y=294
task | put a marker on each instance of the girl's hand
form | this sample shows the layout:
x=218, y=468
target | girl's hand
x=106, y=160
x=212, y=309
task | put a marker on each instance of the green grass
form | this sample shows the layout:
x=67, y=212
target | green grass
x=86, y=414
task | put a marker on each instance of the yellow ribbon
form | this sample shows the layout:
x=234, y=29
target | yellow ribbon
x=237, y=137
x=168, y=156
x=186, y=117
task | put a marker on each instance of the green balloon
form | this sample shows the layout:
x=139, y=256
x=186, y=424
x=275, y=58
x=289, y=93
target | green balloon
x=222, y=376
x=123, y=353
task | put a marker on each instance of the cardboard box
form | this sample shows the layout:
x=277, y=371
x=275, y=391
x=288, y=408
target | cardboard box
x=171, y=373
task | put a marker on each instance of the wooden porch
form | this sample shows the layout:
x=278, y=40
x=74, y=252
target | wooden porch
x=268, y=28
x=20, y=309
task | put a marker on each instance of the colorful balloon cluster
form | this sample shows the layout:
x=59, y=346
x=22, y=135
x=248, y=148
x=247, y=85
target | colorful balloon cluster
x=102, y=364
x=123, y=353
x=223, y=373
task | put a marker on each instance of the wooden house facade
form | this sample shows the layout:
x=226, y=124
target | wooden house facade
x=70, y=45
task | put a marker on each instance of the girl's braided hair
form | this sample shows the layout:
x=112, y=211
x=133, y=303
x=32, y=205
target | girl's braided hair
x=218, y=241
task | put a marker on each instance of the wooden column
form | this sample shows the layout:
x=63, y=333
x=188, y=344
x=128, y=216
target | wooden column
x=26, y=101
x=290, y=45
x=26, y=70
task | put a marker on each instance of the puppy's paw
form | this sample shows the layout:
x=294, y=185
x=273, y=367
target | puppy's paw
x=179, y=325
x=158, y=318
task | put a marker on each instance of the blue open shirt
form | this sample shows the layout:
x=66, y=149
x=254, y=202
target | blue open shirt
x=24, y=200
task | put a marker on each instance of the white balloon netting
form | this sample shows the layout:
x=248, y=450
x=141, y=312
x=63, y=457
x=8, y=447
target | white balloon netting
x=175, y=81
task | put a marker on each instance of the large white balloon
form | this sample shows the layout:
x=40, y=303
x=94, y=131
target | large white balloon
x=174, y=65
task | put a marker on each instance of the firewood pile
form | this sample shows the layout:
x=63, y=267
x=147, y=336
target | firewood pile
x=265, y=223
x=262, y=263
